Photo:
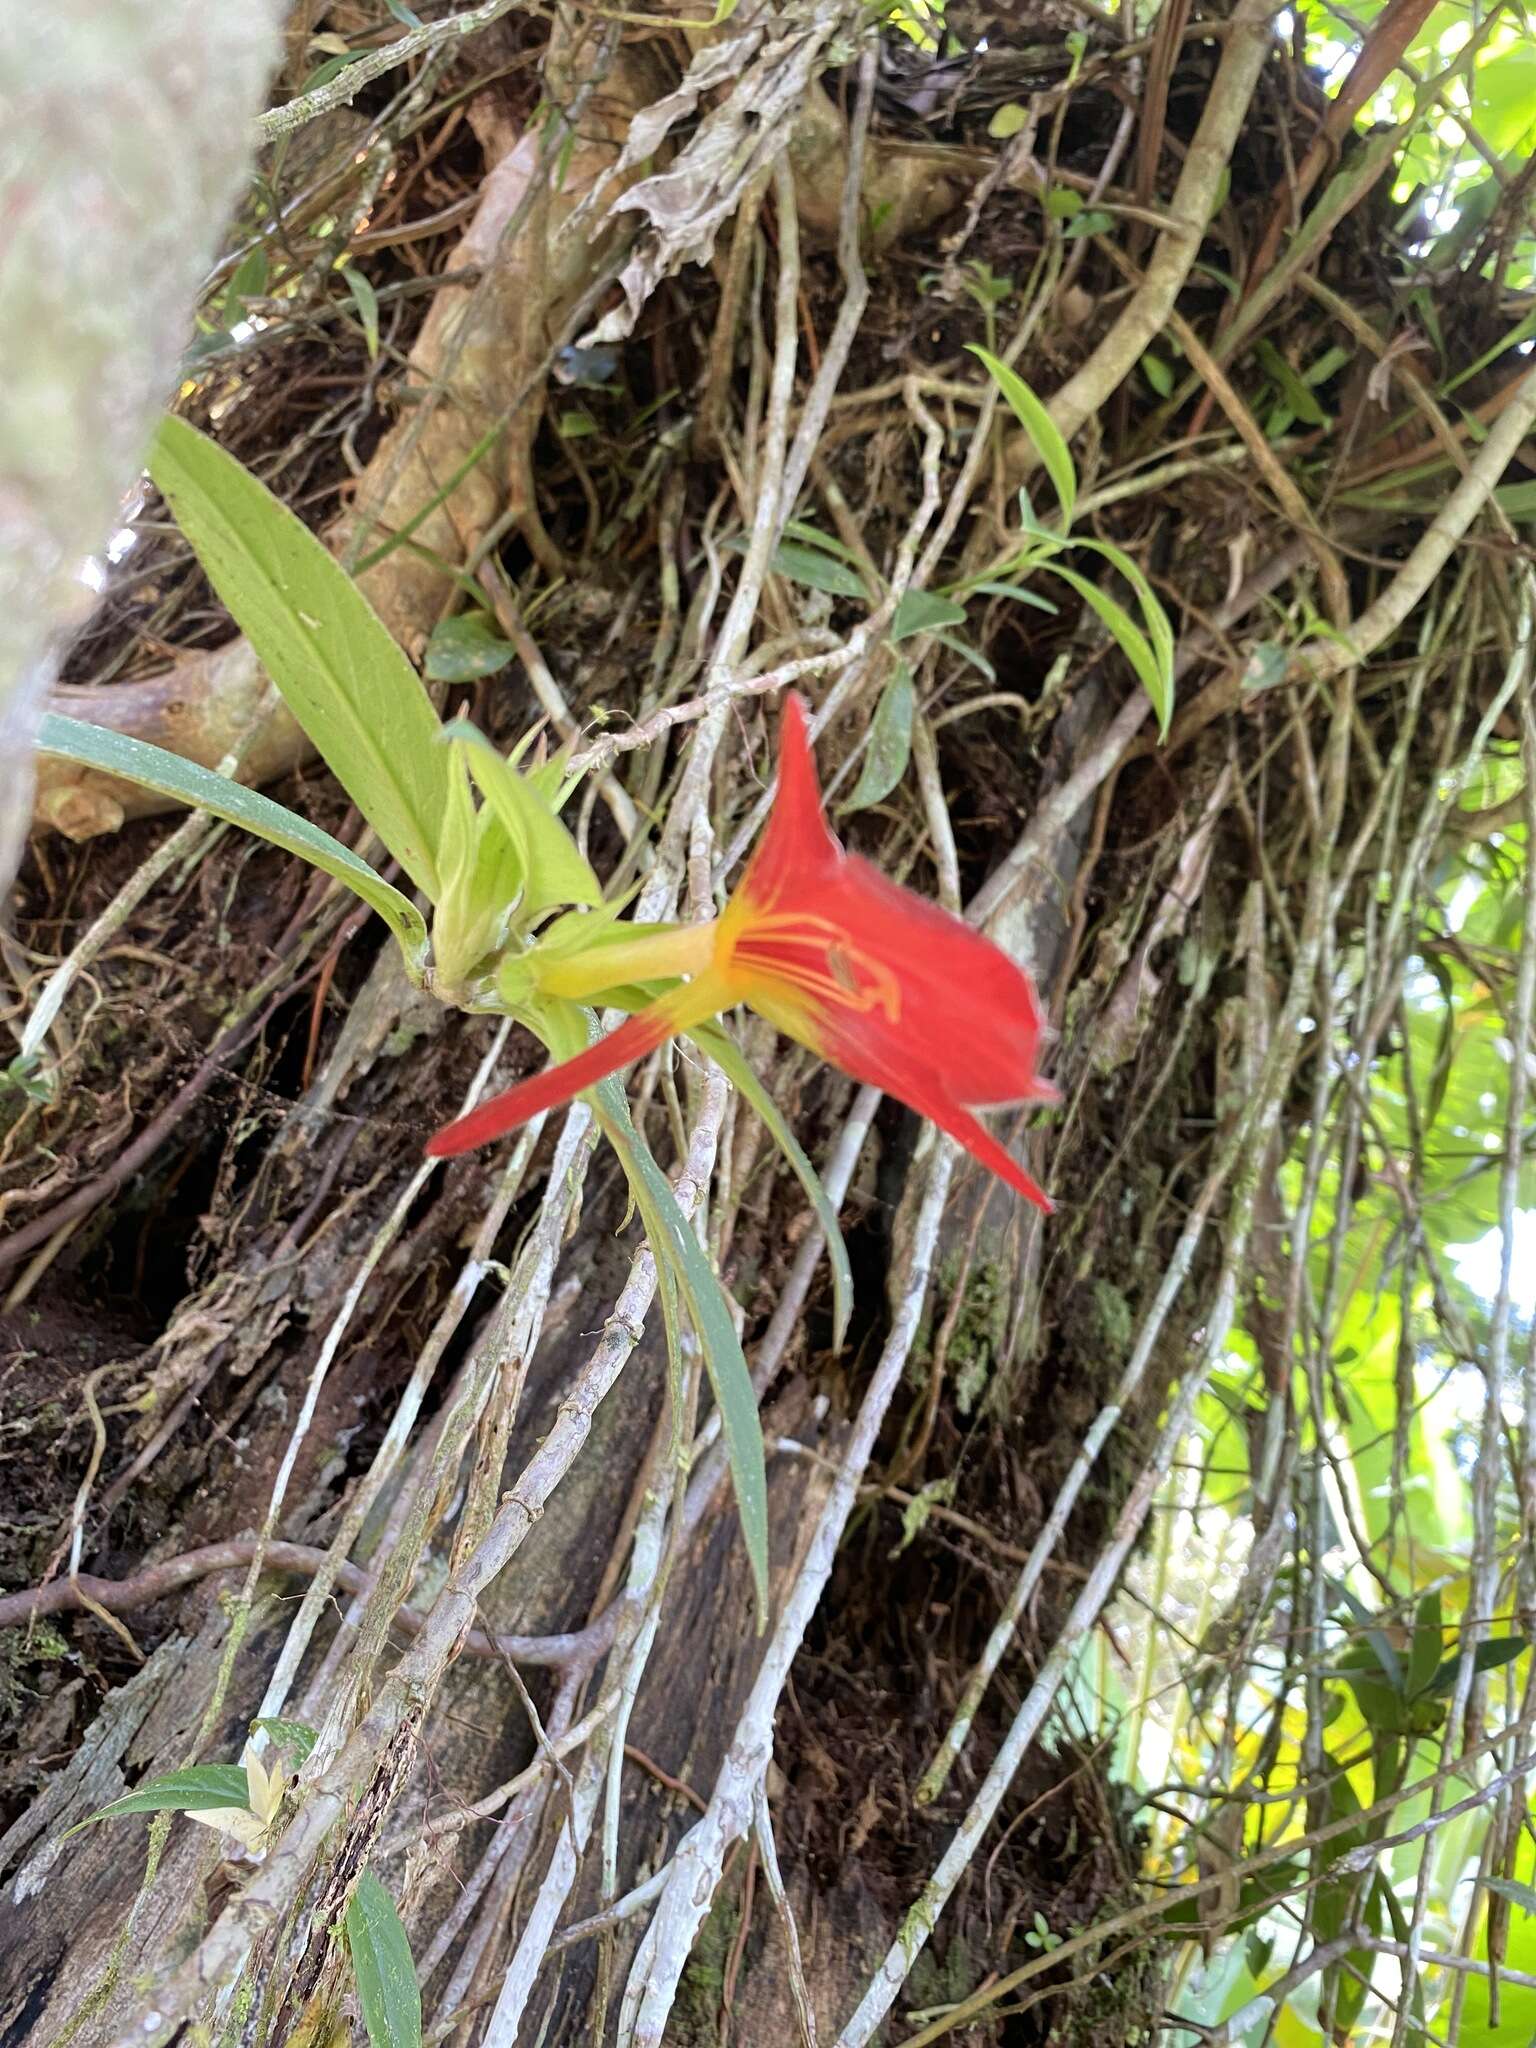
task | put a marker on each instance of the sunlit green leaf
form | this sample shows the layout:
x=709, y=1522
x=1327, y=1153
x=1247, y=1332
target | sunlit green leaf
x=335, y=663
x=552, y=863
x=194, y=1786
x=115, y=753
x=1055, y=456
x=1155, y=676
x=291, y=1736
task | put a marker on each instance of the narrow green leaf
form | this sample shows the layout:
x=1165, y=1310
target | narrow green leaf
x=366, y=299
x=924, y=611
x=890, y=742
x=195, y=1788
x=672, y=1238
x=339, y=670
x=726, y=1053
x=248, y=282
x=464, y=648
x=115, y=753
x=968, y=653
x=1488, y=1656
x=1521, y=1895
x=1159, y=626
x=1129, y=637
x=1041, y=429
x=1018, y=593
x=553, y=866
x=1158, y=374
x=387, y=1990
x=828, y=543
x=293, y=1737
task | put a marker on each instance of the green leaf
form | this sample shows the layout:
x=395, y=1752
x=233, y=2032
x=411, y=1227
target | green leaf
x=1128, y=636
x=115, y=753
x=924, y=611
x=1093, y=220
x=1007, y=121
x=403, y=14
x=387, y=1990
x=728, y=1055
x=1159, y=628
x=1041, y=429
x=196, y=1787
x=817, y=571
x=1488, y=1656
x=1521, y=1895
x=890, y=742
x=293, y=1737
x=1296, y=392
x=672, y=1239
x=1428, y=1643
x=828, y=543
x=248, y=282
x=331, y=68
x=1018, y=593
x=366, y=299
x=968, y=653
x=1158, y=374
x=1266, y=665
x=463, y=649
x=553, y=866
x=339, y=671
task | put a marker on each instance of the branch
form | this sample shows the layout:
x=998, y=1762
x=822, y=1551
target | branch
x=158, y=1581
x=1379, y=621
x=1249, y=42
x=344, y=88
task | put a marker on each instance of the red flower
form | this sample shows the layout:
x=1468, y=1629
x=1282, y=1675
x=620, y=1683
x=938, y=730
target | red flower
x=888, y=987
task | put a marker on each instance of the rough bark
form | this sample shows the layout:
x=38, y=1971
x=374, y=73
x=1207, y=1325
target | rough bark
x=129, y=131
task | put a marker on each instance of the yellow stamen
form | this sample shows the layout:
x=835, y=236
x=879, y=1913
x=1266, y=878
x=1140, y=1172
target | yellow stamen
x=838, y=972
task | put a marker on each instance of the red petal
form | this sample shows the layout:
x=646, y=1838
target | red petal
x=797, y=845
x=635, y=1037
x=929, y=1101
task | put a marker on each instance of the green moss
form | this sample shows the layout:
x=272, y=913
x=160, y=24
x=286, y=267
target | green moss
x=1114, y=1312
x=695, y=2020
x=980, y=1331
